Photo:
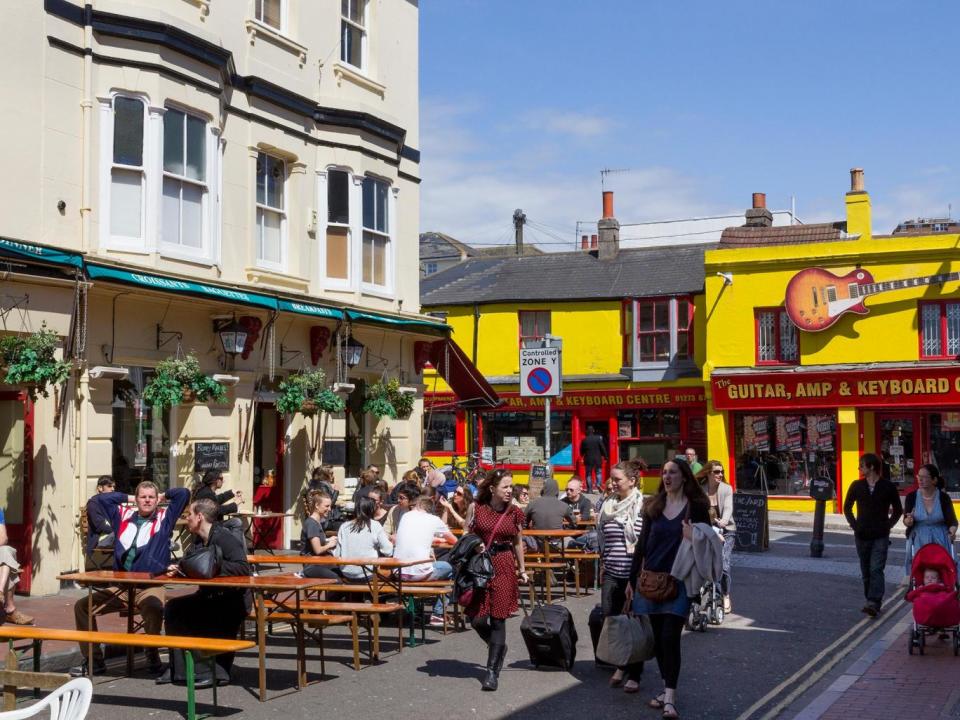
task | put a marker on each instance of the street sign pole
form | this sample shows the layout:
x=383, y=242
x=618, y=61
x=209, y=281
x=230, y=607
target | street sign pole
x=541, y=375
x=546, y=429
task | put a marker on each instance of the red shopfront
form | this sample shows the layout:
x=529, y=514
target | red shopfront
x=784, y=424
x=652, y=423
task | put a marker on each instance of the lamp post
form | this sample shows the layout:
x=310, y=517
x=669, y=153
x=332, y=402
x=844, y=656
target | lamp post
x=351, y=352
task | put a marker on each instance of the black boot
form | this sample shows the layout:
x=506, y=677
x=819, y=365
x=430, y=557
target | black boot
x=495, y=658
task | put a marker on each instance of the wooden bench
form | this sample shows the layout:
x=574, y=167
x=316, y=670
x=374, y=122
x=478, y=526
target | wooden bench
x=206, y=648
x=578, y=557
x=12, y=678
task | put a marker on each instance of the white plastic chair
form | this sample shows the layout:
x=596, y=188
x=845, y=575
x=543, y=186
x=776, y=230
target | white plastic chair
x=68, y=702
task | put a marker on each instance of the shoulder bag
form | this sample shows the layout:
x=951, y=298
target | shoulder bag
x=659, y=587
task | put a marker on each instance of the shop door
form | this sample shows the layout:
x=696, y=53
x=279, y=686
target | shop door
x=601, y=427
x=898, y=440
x=356, y=434
x=16, y=477
x=268, y=452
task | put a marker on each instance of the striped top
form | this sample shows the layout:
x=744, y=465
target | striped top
x=616, y=559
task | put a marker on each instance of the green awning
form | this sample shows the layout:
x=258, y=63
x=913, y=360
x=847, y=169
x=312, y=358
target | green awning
x=180, y=287
x=29, y=251
x=311, y=309
x=360, y=316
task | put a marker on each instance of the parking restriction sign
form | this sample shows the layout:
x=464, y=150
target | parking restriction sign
x=540, y=372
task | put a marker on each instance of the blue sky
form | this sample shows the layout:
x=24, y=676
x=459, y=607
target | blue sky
x=523, y=102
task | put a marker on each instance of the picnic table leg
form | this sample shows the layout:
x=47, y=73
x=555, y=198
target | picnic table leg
x=547, y=572
x=36, y=663
x=10, y=691
x=375, y=592
x=131, y=596
x=192, y=685
x=90, y=625
x=301, y=649
x=262, y=644
x=213, y=674
x=355, y=632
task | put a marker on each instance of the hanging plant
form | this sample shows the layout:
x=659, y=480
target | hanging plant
x=179, y=380
x=384, y=399
x=401, y=401
x=307, y=393
x=30, y=360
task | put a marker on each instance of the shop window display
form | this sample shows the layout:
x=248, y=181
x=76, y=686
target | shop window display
x=945, y=448
x=517, y=437
x=141, y=438
x=780, y=454
x=440, y=432
x=652, y=434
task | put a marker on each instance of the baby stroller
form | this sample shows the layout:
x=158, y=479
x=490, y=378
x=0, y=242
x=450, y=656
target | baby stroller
x=707, y=608
x=936, y=608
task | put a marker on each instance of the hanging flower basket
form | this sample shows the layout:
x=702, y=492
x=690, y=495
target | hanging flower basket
x=306, y=393
x=30, y=361
x=179, y=380
x=384, y=399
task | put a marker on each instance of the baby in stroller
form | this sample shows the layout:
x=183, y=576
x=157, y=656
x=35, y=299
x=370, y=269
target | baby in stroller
x=936, y=607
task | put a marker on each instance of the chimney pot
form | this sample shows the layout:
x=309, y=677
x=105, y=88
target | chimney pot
x=856, y=180
x=584, y=242
x=608, y=203
x=594, y=242
x=759, y=200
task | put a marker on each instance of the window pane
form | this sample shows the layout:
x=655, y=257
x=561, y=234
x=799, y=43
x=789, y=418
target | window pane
x=439, y=431
x=683, y=347
x=528, y=324
x=543, y=323
x=192, y=222
x=268, y=231
x=380, y=261
x=338, y=197
x=127, y=131
x=683, y=314
x=369, y=211
x=381, y=189
x=663, y=346
x=647, y=348
x=268, y=12
x=261, y=178
x=351, y=45
x=646, y=316
x=953, y=328
x=126, y=197
x=173, y=142
x=337, y=252
x=170, y=212
x=195, y=148
x=766, y=340
x=789, y=342
x=367, y=258
x=274, y=182
x=931, y=330
x=662, y=315
x=352, y=9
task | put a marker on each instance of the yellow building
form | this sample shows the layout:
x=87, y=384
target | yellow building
x=827, y=341
x=632, y=328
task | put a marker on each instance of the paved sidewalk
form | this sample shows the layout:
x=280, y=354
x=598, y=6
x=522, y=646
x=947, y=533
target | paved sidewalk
x=886, y=682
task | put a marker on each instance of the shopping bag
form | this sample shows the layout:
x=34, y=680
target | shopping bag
x=625, y=639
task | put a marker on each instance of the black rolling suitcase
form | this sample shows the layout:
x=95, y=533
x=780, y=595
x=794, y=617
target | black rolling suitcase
x=550, y=636
x=596, y=626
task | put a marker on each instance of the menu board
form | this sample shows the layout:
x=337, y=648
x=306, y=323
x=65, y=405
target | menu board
x=750, y=517
x=211, y=456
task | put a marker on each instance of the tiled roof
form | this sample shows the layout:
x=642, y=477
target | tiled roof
x=501, y=250
x=782, y=235
x=638, y=272
x=437, y=246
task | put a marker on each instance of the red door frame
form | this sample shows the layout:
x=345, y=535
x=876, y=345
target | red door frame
x=269, y=531
x=597, y=418
x=21, y=535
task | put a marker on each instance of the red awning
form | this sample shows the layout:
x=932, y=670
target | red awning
x=472, y=389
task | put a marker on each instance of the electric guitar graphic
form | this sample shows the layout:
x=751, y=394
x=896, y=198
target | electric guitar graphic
x=816, y=298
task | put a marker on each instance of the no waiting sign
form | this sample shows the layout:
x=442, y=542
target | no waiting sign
x=539, y=372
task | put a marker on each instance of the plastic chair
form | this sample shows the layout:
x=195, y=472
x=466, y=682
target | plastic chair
x=70, y=701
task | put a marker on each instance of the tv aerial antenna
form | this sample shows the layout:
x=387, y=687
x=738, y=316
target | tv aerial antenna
x=611, y=171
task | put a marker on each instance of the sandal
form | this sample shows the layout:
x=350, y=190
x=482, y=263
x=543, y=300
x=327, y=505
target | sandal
x=658, y=702
x=670, y=715
x=616, y=682
x=630, y=689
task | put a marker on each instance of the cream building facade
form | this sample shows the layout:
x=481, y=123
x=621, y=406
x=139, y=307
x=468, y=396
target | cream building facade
x=182, y=164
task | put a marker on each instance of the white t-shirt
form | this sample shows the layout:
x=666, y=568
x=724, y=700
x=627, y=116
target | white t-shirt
x=415, y=541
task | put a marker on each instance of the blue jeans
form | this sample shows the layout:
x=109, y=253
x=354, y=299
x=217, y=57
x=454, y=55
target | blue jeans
x=873, y=559
x=441, y=571
x=593, y=477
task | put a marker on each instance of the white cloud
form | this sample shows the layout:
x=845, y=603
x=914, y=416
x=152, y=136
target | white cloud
x=564, y=122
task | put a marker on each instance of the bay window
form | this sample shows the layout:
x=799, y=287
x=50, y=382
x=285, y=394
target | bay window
x=657, y=331
x=376, y=233
x=271, y=215
x=338, y=225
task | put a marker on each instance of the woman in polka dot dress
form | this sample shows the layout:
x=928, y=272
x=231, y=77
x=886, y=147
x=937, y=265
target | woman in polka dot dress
x=498, y=523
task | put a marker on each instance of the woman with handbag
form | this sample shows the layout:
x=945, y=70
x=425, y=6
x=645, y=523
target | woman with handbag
x=668, y=519
x=498, y=523
x=618, y=529
x=209, y=612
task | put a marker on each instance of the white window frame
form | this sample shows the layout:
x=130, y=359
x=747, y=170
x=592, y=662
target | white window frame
x=209, y=249
x=284, y=239
x=284, y=21
x=364, y=36
x=323, y=223
x=387, y=289
x=429, y=268
x=107, y=239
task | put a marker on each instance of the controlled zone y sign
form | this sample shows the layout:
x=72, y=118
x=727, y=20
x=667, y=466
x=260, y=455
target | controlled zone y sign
x=539, y=372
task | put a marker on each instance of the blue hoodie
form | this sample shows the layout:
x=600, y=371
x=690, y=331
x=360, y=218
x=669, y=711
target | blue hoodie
x=153, y=556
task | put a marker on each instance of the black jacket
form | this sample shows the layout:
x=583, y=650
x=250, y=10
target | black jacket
x=206, y=492
x=472, y=570
x=98, y=524
x=593, y=450
x=877, y=512
x=946, y=507
x=699, y=513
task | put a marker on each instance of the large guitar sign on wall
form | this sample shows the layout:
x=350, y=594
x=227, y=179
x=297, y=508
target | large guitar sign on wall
x=816, y=298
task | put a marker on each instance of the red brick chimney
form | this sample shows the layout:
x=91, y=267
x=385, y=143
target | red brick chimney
x=584, y=242
x=593, y=242
x=758, y=215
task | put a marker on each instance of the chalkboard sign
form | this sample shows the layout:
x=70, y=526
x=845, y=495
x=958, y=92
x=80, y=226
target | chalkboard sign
x=821, y=488
x=539, y=473
x=335, y=452
x=211, y=456
x=750, y=516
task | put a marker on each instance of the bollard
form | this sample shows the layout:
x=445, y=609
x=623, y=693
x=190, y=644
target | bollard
x=816, y=542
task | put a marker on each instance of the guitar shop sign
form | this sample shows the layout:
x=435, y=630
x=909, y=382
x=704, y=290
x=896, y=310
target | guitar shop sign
x=868, y=388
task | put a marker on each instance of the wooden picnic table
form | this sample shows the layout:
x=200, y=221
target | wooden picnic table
x=547, y=536
x=260, y=585
x=587, y=522
x=374, y=579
